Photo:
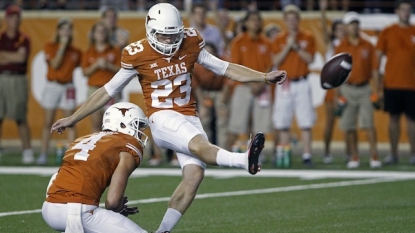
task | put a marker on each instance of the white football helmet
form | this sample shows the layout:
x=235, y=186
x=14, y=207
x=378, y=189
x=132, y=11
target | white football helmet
x=164, y=18
x=126, y=118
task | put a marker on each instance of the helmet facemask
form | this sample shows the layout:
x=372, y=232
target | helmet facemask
x=126, y=118
x=163, y=48
x=164, y=20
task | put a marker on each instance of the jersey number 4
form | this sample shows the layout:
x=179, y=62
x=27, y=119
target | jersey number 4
x=86, y=145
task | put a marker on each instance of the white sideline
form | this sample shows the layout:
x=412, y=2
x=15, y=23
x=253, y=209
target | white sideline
x=246, y=192
x=229, y=173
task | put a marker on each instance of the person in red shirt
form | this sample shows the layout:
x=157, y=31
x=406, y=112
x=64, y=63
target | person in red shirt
x=14, y=90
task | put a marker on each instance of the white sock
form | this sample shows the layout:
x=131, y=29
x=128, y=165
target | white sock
x=170, y=219
x=230, y=159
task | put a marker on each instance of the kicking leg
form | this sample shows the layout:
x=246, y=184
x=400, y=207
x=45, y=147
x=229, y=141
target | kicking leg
x=213, y=155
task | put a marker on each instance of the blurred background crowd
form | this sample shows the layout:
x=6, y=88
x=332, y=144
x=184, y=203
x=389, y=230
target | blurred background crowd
x=228, y=110
x=376, y=6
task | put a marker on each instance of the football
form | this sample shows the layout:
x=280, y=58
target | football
x=336, y=71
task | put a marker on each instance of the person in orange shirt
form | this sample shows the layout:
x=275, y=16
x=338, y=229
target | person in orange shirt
x=250, y=100
x=397, y=42
x=357, y=91
x=332, y=40
x=59, y=92
x=119, y=35
x=294, y=50
x=212, y=94
x=90, y=165
x=99, y=63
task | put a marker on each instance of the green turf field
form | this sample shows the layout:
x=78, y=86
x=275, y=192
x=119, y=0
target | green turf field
x=231, y=201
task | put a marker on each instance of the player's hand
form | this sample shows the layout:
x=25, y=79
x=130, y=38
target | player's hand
x=129, y=211
x=291, y=40
x=101, y=63
x=277, y=77
x=61, y=124
x=64, y=40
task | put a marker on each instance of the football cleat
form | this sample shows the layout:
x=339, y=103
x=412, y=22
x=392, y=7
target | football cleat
x=254, y=150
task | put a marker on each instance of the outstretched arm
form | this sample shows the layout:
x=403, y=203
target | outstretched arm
x=244, y=74
x=97, y=100
x=237, y=72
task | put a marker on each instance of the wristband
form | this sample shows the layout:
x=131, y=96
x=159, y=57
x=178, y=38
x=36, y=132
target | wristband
x=265, y=79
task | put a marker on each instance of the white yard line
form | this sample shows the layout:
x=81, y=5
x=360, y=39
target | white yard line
x=229, y=173
x=247, y=192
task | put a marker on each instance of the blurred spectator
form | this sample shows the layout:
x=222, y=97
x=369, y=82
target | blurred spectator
x=59, y=92
x=331, y=5
x=378, y=6
x=43, y=5
x=332, y=39
x=156, y=155
x=253, y=50
x=271, y=31
x=119, y=36
x=210, y=33
x=294, y=50
x=397, y=42
x=61, y=5
x=14, y=91
x=284, y=3
x=49, y=5
x=122, y=5
x=211, y=93
x=357, y=91
x=100, y=63
x=224, y=22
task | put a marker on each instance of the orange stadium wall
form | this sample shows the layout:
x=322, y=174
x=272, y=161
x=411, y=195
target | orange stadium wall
x=40, y=27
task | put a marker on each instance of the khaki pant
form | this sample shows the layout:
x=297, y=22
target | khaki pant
x=14, y=94
x=245, y=106
x=359, y=106
x=220, y=114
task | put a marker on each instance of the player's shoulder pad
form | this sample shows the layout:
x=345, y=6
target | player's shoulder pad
x=193, y=36
x=133, y=144
x=130, y=56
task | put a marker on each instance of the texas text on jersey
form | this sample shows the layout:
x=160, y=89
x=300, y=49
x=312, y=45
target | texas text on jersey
x=88, y=165
x=165, y=80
